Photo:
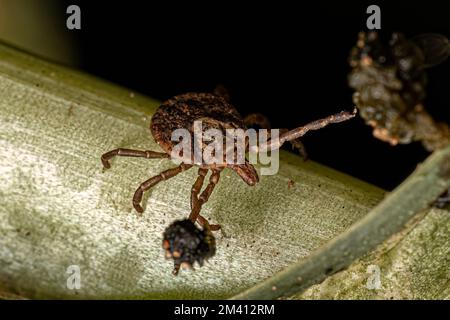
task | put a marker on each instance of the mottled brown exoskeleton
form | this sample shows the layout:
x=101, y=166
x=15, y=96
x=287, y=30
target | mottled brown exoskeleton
x=215, y=111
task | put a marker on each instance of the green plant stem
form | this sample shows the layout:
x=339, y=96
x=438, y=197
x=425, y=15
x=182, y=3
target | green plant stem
x=58, y=208
x=416, y=193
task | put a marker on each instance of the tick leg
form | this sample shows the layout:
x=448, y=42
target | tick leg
x=222, y=91
x=301, y=131
x=197, y=203
x=296, y=144
x=257, y=119
x=197, y=186
x=131, y=153
x=137, y=198
x=205, y=224
x=264, y=123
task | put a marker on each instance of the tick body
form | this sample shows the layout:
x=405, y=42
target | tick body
x=215, y=112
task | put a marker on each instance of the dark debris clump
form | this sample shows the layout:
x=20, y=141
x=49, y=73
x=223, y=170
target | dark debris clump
x=390, y=81
x=186, y=244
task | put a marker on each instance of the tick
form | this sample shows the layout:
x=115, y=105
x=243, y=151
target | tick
x=215, y=110
x=180, y=112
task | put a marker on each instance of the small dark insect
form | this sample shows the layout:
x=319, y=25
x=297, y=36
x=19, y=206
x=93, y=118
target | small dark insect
x=390, y=80
x=186, y=244
x=216, y=112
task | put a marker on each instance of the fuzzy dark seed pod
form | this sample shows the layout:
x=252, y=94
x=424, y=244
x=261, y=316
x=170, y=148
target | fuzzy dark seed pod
x=390, y=81
x=186, y=244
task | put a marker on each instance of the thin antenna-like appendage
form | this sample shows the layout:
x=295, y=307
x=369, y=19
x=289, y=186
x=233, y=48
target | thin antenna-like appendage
x=301, y=131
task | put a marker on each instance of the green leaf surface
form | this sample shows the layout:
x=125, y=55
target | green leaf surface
x=59, y=208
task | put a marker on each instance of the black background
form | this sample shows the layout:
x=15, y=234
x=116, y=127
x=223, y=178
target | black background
x=163, y=309
x=287, y=60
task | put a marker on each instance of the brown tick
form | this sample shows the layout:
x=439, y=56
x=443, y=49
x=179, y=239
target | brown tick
x=180, y=112
x=215, y=111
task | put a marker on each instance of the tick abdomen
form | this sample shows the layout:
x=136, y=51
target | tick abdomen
x=181, y=112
